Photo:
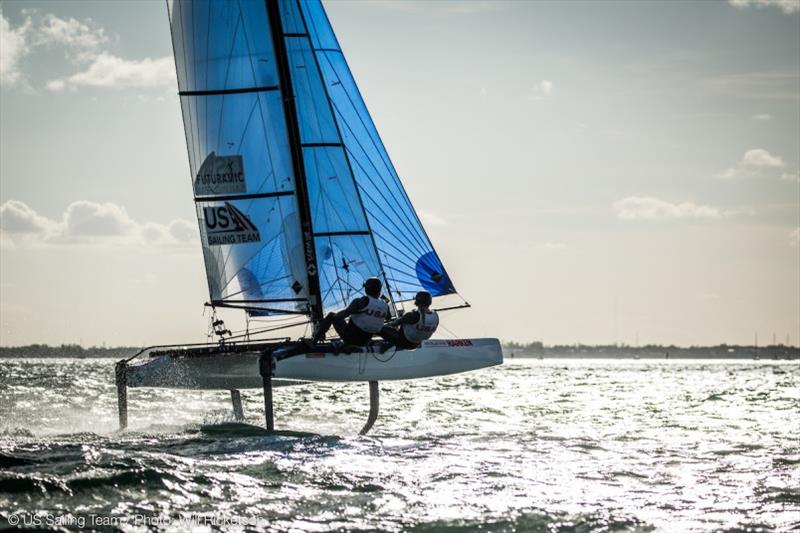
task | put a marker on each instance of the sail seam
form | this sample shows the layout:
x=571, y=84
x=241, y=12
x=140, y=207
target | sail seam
x=243, y=196
x=262, y=301
x=340, y=233
x=239, y=90
x=321, y=145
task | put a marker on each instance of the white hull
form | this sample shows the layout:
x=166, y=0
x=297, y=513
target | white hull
x=240, y=371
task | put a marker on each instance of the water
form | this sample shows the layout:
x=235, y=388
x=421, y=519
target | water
x=533, y=445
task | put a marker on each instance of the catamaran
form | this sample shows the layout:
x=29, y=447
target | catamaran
x=298, y=203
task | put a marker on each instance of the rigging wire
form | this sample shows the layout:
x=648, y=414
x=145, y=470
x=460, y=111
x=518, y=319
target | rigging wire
x=448, y=330
x=267, y=330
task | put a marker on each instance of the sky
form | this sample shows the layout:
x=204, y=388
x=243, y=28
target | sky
x=588, y=171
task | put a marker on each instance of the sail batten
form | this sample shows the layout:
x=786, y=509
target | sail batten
x=297, y=199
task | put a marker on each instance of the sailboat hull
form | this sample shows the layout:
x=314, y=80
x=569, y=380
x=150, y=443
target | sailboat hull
x=240, y=370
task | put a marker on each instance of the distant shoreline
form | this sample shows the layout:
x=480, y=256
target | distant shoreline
x=510, y=350
x=651, y=351
x=44, y=351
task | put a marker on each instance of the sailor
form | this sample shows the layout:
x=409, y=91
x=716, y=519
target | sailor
x=367, y=315
x=408, y=331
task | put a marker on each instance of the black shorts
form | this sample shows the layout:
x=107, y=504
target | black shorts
x=405, y=344
x=352, y=334
x=396, y=337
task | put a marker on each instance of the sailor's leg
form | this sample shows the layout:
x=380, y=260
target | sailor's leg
x=339, y=324
x=323, y=327
x=236, y=400
x=351, y=334
x=121, y=375
x=390, y=334
x=373, y=407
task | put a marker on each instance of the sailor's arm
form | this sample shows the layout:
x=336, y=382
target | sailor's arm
x=408, y=318
x=355, y=306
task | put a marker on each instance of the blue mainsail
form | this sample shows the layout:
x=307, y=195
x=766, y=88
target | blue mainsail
x=297, y=199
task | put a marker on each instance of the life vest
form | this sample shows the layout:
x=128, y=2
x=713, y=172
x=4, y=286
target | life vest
x=371, y=318
x=424, y=327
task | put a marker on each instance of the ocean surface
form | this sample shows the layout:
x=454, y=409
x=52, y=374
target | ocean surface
x=552, y=445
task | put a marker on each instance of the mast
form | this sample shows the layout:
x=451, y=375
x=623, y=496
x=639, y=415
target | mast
x=290, y=112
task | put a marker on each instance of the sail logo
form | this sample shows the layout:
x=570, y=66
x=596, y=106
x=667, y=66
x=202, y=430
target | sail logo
x=220, y=174
x=226, y=225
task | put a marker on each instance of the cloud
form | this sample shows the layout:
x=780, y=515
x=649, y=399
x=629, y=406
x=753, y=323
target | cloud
x=762, y=116
x=107, y=70
x=55, y=85
x=787, y=6
x=727, y=174
x=649, y=208
x=89, y=223
x=17, y=218
x=542, y=90
x=12, y=49
x=90, y=219
x=761, y=85
x=84, y=44
x=81, y=40
x=754, y=163
x=758, y=157
x=791, y=176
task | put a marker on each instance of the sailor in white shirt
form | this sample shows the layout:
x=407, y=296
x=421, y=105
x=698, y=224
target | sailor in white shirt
x=408, y=331
x=367, y=316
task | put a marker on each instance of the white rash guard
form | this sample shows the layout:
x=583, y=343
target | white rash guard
x=372, y=317
x=423, y=329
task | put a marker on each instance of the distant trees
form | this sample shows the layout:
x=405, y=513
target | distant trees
x=651, y=351
x=64, y=350
x=530, y=347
